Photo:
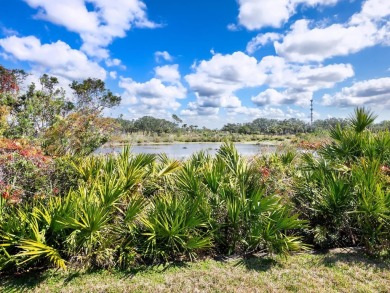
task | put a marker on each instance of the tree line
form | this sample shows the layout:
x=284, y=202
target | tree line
x=152, y=125
x=280, y=127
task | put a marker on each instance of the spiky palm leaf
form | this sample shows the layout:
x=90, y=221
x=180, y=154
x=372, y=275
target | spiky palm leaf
x=362, y=119
x=173, y=227
x=33, y=250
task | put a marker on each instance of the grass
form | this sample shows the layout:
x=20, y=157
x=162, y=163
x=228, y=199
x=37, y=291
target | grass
x=336, y=271
x=139, y=138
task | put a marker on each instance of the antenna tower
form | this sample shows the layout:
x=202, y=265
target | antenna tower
x=311, y=111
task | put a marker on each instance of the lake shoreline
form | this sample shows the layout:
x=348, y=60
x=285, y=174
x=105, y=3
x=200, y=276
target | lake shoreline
x=186, y=149
x=260, y=143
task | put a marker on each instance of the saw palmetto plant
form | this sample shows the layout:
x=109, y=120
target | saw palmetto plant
x=343, y=190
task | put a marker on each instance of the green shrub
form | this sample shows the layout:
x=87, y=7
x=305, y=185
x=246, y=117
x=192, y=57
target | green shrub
x=23, y=169
x=174, y=227
x=344, y=191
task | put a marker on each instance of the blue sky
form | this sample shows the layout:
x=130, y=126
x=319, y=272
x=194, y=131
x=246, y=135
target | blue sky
x=210, y=62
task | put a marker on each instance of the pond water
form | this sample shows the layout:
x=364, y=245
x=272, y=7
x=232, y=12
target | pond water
x=184, y=150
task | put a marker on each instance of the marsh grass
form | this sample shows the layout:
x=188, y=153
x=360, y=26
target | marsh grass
x=334, y=271
x=200, y=136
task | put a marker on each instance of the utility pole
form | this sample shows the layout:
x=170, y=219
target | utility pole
x=311, y=112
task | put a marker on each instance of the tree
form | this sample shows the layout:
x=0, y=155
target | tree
x=231, y=127
x=38, y=109
x=329, y=123
x=79, y=133
x=10, y=80
x=9, y=89
x=384, y=125
x=84, y=129
x=244, y=129
x=92, y=94
x=177, y=119
x=45, y=113
x=148, y=124
x=126, y=126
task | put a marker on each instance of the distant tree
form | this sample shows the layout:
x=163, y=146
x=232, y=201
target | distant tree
x=231, y=128
x=126, y=126
x=329, y=123
x=384, y=125
x=244, y=129
x=176, y=119
x=268, y=126
x=148, y=124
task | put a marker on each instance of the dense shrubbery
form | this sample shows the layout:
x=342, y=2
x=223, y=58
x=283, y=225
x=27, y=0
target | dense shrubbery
x=113, y=211
x=23, y=170
x=26, y=173
x=344, y=190
x=80, y=133
x=131, y=207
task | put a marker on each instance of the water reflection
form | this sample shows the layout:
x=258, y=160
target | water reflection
x=184, y=150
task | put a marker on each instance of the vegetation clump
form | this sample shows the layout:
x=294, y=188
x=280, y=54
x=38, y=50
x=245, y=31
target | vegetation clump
x=344, y=190
x=128, y=208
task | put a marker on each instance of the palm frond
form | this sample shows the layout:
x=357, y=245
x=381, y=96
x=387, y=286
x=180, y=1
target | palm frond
x=33, y=250
x=362, y=119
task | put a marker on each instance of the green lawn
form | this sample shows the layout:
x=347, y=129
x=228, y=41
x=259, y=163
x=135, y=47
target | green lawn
x=338, y=271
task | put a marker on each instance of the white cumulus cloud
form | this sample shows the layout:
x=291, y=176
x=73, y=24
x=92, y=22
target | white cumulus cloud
x=168, y=73
x=158, y=95
x=307, y=42
x=113, y=74
x=287, y=97
x=55, y=58
x=162, y=55
x=193, y=109
x=257, y=14
x=372, y=10
x=266, y=112
x=282, y=74
x=108, y=20
x=153, y=93
x=216, y=80
x=373, y=92
x=261, y=40
x=113, y=62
